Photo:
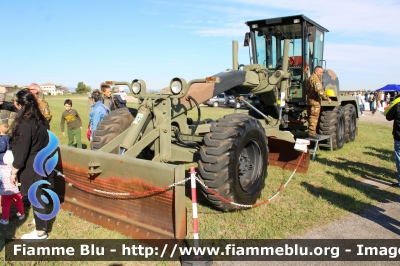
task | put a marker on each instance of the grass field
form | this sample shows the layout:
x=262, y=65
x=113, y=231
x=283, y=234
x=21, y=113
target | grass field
x=330, y=190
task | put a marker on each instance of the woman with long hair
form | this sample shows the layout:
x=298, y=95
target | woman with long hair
x=29, y=136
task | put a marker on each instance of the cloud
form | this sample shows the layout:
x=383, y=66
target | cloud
x=184, y=27
x=357, y=16
x=349, y=19
x=230, y=30
x=221, y=19
x=220, y=32
x=363, y=55
x=363, y=66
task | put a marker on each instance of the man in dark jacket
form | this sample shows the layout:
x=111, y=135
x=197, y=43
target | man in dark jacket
x=392, y=113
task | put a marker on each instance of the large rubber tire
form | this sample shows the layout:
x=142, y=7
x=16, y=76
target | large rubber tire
x=111, y=126
x=234, y=161
x=350, y=122
x=216, y=104
x=332, y=123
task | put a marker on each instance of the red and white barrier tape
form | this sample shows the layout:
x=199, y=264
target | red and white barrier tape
x=193, y=178
x=132, y=194
x=256, y=204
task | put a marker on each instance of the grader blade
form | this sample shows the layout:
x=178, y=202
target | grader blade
x=121, y=193
x=283, y=155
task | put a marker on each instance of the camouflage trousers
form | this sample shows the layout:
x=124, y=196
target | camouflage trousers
x=313, y=116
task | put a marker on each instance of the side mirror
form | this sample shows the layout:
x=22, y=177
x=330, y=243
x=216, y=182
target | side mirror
x=246, y=39
x=311, y=34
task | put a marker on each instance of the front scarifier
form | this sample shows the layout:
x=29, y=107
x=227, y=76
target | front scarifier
x=234, y=160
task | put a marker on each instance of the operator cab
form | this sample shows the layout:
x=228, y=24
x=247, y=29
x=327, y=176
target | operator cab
x=265, y=41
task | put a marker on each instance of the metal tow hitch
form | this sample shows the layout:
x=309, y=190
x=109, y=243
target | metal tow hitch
x=94, y=168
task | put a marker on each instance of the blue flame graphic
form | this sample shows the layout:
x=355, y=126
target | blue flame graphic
x=41, y=157
x=44, y=168
x=34, y=201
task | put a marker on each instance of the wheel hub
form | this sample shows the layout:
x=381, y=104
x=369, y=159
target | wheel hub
x=249, y=165
x=244, y=163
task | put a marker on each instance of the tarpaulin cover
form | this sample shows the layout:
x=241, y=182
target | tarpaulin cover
x=390, y=87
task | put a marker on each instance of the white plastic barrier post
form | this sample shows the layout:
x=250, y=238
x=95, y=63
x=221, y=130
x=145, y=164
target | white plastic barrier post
x=194, y=207
x=189, y=260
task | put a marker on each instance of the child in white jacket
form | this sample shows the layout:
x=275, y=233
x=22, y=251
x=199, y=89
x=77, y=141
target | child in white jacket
x=120, y=97
x=9, y=193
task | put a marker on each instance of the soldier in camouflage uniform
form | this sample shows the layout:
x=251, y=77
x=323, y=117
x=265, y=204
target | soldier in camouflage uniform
x=315, y=92
x=43, y=105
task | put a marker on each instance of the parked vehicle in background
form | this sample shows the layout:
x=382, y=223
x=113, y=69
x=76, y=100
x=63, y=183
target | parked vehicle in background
x=233, y=102
x=229, y=98
x=218, y=100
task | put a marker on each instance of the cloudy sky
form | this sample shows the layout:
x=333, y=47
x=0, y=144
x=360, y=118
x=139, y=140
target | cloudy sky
x=66, y=42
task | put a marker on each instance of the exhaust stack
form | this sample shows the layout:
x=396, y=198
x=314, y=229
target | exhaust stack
x=235, y=64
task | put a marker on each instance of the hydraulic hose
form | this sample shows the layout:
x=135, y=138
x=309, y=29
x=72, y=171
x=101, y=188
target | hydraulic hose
x=185, y=142
x=198, y=112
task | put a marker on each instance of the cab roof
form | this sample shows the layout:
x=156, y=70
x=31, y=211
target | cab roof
x=284, y=21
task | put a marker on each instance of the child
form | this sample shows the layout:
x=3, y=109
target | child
x=74, y=124
x=120, y=97
x=9, y=193
x=4, y=141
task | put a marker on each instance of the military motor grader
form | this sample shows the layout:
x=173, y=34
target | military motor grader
x=138, y=151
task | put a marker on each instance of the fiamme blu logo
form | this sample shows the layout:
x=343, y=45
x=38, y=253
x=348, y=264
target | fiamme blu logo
x=44, y=163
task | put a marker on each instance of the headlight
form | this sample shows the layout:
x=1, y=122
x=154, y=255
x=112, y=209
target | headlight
x=136, y=87
x=176, y=87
